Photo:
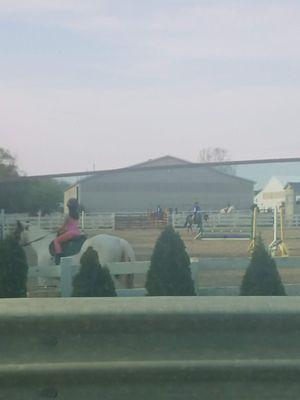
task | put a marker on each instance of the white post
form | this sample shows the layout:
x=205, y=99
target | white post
x=274, y=245
x=39, y=218
x=114, y=221
x=2, y=223
x=275, y=223
x=173, y=219
x=82, y=220
x=67, y=272
x=195, y=276
x=51, y=223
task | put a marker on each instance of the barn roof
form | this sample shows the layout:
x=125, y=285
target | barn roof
x=286, y=179
x=294, y=185
x=161, y=162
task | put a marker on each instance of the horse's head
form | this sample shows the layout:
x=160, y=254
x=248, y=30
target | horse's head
x=21, y=233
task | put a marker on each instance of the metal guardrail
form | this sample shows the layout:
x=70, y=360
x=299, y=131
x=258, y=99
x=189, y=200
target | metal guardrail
x=164, y=348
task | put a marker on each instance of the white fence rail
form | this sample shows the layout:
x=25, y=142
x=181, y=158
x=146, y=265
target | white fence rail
x=88, y=221
x=66, y=272
x=235, y=221
x=97, y=221
x=238, y=221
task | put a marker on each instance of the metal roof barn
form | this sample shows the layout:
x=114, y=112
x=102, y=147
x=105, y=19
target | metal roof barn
x=168, y=182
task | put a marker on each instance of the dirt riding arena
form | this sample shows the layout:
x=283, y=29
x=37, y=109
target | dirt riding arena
x=143, y=242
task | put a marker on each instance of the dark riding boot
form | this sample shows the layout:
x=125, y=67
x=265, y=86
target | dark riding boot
x=57, y=259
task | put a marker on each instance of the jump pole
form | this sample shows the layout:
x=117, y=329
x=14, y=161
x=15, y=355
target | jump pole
x=273, y=246
x=282, y=245
x=278, y=243
x=253, y=231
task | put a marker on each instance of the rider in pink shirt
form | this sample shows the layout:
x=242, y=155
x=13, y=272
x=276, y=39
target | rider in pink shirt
x=69, y=229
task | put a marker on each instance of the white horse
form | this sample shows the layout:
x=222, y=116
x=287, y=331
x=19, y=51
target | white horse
x=227, y=210
x=109, y=248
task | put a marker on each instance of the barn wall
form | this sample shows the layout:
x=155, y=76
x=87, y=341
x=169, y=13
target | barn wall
x=289, y=202
x=137, y=201
x=71, y=192
x=292, y=204
x=273, y=194
x=142, y=190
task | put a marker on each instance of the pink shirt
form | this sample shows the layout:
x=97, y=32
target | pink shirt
x=71, y=225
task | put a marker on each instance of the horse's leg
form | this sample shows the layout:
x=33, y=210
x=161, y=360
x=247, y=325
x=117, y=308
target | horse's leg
x=129, y=281
x=200, y=225
x=128, y=278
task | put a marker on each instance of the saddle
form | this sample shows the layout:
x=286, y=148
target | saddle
x=69, y=248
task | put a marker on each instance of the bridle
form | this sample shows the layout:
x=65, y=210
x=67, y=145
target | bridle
x=35, y=240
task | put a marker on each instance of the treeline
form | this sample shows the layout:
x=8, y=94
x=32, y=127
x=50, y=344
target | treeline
x=31, y=196
x=17, y=196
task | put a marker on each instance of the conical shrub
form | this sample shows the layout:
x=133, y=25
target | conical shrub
x=169, y=273
x=93, y=280
x=13, y=269
x=262, y=277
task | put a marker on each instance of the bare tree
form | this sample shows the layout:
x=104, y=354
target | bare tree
x=216, y=154
x=8, y=165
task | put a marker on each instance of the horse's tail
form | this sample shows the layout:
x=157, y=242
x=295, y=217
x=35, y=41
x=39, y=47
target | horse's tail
x=127, y=251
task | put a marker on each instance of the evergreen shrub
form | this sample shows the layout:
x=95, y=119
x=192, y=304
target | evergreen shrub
x=93, y=280
x=169, y=273
x=262, y=277
x=13, y=269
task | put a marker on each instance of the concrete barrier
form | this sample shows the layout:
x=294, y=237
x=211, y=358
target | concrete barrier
x=165, y=348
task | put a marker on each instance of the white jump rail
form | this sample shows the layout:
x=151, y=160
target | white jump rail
x=66, y=272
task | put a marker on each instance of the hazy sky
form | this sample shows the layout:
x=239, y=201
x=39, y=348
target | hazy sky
x=120, y=81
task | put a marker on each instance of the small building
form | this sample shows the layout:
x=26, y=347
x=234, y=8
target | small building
x=292, y=199
x=274, y=192
x=167, y=181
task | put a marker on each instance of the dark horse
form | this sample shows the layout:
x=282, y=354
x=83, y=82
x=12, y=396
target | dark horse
x=195, y=219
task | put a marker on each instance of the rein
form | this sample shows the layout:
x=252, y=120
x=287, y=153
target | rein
x=35, y=240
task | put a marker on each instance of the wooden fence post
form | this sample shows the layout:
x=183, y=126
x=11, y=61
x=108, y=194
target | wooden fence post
x=67, y=271
x=82, y=220
x=195, y=276
x=39, y=218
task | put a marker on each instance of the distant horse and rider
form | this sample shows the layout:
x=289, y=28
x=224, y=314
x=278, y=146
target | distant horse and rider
x=227, y=210
x=197, y=217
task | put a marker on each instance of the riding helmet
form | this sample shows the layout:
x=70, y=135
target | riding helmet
x=72, y=203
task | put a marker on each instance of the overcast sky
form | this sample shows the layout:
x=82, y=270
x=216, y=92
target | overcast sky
x=116, y=82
